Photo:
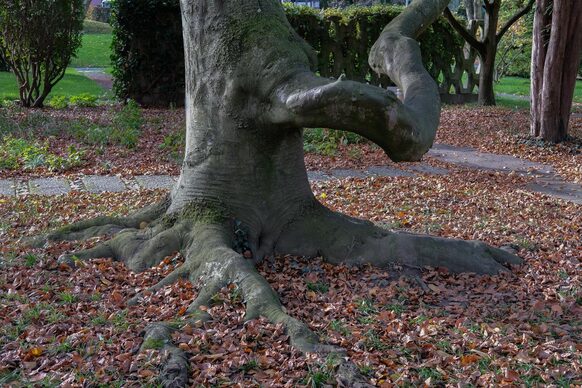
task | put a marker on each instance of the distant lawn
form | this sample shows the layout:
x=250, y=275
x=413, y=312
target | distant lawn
x=94, y=27
x=72, y=84
x=521, y=86
x=95, y=51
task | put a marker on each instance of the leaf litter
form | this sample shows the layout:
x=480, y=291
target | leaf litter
x=523, y=328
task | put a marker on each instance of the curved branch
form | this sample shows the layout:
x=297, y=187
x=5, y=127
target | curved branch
x=367, y=110
x=396, y=53
x=465, y=34
x=514, y=19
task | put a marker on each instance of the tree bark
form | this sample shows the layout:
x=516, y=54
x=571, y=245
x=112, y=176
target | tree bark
x=557, y=45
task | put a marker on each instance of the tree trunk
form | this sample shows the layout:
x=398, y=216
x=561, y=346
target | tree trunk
x=487, y=75
x=557, y=45
x=243, y=191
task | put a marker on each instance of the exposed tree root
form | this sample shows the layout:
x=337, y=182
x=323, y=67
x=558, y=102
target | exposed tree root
x=342, y=239
x=210, y=260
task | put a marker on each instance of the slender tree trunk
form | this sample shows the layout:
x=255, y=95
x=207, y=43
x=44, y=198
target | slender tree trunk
x=557, y=45
x=487, y=75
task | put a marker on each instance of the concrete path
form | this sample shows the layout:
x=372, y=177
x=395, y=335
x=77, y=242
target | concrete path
x=544, y=179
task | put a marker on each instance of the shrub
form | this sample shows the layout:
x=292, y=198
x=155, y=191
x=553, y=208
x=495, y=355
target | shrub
x=58, y=102
x=84, y=100
x=20, y=153
x=124, y=130
x=37, y=40
x=324, y=141
x=127, y=124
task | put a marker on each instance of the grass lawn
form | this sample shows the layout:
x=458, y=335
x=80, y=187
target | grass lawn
x=71, y=85
x=95, y=51
x=94, y=27
x=521, y=86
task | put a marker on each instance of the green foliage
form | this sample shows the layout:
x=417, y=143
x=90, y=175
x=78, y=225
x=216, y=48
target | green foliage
x=326, y=141
x=148, y=57
x=124, y=130
x=319, y=287
x=72, y=84
x=18, y=153
x=30, y=260
x=127, y=124
x=514, y=50
x=84, y=100
x=67, y=297
x=38, y=39
x=58, y=102
x=175, y=143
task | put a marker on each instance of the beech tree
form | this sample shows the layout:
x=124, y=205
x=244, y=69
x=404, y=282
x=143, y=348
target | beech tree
x=556, y=54
x=243, y=188
x=485, y=44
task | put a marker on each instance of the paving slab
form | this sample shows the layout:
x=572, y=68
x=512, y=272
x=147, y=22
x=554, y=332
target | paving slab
x=388, y=171
x=556, y=187
x=7, y=187
x=428, y=169
x=49, y=186
x=155, y=181
x=100, y=184
x=318, y=176
x=341, y=173
x=470, y=157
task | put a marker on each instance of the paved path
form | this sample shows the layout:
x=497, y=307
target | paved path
x=544, y=179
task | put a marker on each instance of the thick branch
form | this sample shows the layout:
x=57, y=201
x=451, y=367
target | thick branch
x=465, y=34
x=514, y=19
x=369, y=111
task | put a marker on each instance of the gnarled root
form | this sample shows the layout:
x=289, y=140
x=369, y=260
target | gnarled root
x=342, y=239
x=211, y=262
x=102, y=226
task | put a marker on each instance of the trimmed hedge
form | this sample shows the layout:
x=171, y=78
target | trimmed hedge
x=149, y=61
x=148, y=54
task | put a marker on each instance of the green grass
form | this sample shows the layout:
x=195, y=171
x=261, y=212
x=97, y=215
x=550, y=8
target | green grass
x=72, y=84
x=94, y=27
x=513, y=103
x=521, y=87
x=95, y=51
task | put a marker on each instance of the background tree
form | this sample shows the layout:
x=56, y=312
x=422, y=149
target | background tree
x=557, y=46
x=486, y=43
x=38, y=39
x=243, y=192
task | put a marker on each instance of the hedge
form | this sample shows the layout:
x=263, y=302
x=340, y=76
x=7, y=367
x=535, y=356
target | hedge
x=3, y=65
x=149, y=61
